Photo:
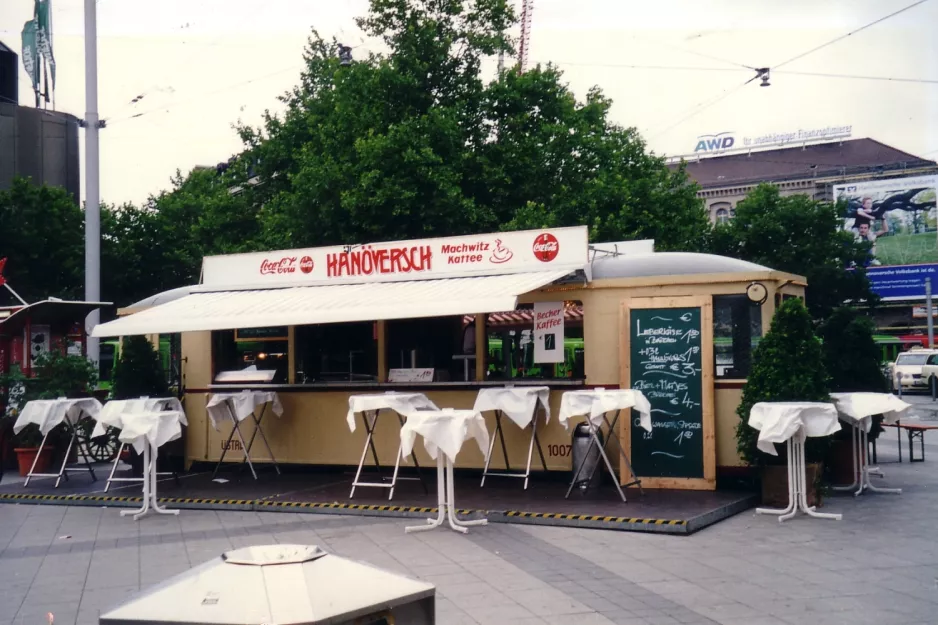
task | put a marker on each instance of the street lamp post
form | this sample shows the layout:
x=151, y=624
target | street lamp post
x=92, y=191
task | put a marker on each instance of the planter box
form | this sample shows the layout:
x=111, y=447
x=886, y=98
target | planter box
x=26, y=455
x=775, y=485
x=840, y=463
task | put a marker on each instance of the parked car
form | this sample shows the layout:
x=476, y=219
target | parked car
x=930, y=370
x=908, y=370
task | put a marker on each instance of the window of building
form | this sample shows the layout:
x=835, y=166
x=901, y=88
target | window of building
x=337, y=352
x=722, y=212
x=723, y=216
x=511, y=353
x=737, y=329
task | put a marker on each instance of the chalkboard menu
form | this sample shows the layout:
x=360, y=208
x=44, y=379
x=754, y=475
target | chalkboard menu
x=278, y=333
x=666, y=365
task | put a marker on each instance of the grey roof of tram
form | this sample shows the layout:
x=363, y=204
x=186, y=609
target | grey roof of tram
x=668, y=264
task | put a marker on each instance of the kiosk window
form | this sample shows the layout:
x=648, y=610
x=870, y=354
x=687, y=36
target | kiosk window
x=438, y=343
x=261, y=349
x=337, y=352
x=511, y=353
x=737, y=329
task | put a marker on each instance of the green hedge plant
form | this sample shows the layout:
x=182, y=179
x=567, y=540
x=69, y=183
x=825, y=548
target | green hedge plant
x=788, y=365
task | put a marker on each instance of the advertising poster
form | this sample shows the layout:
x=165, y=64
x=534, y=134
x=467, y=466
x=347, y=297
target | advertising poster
x=897, y=217
x=548, y=332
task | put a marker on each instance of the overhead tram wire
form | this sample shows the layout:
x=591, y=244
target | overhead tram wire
x=702, y=106
x=852, y=32
x=171, y=105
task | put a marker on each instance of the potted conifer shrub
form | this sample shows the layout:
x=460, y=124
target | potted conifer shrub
x=788, y=365
x=138, y=373
x=853, y=363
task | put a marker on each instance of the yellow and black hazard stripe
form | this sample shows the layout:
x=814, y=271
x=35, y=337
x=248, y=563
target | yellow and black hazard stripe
x=599, y=518
x=382, y=510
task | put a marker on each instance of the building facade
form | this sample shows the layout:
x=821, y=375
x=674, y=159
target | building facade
x=804, y=169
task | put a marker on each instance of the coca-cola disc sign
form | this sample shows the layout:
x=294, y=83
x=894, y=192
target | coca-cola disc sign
x=546, y=247
x=306, y=264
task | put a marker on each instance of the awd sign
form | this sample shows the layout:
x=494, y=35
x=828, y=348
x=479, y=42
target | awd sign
x=714, y=143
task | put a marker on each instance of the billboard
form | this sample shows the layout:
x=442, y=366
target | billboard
x=897, y=217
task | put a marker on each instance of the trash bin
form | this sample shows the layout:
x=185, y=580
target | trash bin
x=579, y=446
x=280, y=585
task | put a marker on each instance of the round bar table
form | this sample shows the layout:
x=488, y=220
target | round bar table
x=791, y=423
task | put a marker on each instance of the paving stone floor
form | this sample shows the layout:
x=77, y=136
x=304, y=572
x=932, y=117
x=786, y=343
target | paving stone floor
x=879, y=566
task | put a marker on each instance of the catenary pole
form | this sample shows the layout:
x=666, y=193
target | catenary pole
x=92, y=191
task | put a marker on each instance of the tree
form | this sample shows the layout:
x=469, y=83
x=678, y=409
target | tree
x=139, y=372
x=850, y=352
x=42, y=237
x=788, y=365
x=801, y=236
x=414, y=143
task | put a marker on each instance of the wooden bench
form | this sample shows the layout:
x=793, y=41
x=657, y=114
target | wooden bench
x=915, y=432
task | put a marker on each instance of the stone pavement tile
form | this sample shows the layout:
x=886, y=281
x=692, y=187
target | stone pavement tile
x=728, y=610
x=106, y=598
x=754, y=620
x=544, y=604
x=490, y=598
x=497, y=615
x=577, y=619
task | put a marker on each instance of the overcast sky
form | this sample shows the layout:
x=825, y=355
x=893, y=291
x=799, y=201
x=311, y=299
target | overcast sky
x=201, y=65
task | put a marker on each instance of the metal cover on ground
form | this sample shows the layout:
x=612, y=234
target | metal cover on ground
x=282, y=585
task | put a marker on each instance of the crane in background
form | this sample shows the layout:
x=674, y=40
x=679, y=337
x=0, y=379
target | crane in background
x=527, y=10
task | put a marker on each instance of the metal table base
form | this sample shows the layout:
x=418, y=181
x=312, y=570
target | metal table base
x=150, y=500
x=797, y=488
x=859, y=443
x=77, y=439
x=369, y=443
x=594, y=440
x=501, y=437
x=446, y=498
x=246, y=448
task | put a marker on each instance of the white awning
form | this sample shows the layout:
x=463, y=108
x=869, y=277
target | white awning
x=227, y=310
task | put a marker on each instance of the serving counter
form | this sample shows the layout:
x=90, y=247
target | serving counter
x=313, y=429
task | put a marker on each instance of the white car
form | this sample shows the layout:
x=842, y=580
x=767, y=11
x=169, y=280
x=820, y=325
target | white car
x=908, y=370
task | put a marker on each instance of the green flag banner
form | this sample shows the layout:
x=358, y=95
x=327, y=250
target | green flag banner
x=31, y=52
x=44, y=34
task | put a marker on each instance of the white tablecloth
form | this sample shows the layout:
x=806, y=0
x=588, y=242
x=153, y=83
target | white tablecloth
x=860, y=408
x=158, y=427
x=244, y=404
x=48, y=413
x=596, y=402
x=779, y=421
x=113, y=412
x=402, y=403
x=517, y=402
x=445, y=430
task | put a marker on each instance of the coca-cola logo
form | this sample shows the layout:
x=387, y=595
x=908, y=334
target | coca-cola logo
x=306, y=264
x=286, y=264
x=546, y=247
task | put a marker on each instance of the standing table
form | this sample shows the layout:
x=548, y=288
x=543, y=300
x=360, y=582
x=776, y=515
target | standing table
x=146, y=430
x=370, y=406
x=47, y=414
x=595, y=404
x=111, y=415
x=237, y=407
x=518, y=403
x=792, y=423
x=858, y=410
x=444, y=432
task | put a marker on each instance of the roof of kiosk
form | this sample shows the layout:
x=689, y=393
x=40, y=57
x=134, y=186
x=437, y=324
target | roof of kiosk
x=669, y=264
x=397, y=280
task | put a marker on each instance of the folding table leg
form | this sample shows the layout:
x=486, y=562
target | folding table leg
x=369, y=429
x=32, y=469
x=809, y=510
x=259, y=430
x=247, y=456
x=866, y=470
x=110, y=478
x=488, y=456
